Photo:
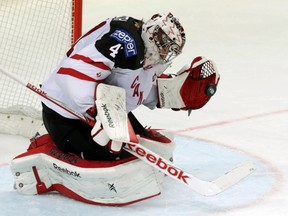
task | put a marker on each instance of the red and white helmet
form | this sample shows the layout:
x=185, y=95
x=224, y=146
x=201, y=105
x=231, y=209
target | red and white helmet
x=164, y=38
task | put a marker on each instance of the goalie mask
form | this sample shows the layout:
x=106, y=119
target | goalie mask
x=191, y=88
x=164, y=38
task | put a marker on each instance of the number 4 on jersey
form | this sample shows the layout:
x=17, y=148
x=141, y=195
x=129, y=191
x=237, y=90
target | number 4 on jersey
x=114, y=50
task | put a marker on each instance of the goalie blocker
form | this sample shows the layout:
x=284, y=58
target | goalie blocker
x=191, y=88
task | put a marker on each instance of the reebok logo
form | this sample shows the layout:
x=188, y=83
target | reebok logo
x=72, y=159
x=158, y=162
x=65, y=170
x=37, y=90
x=108, y=116
x=162, y=99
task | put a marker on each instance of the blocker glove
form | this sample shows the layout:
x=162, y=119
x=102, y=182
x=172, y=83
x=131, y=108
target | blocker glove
x=100, y=137
x=112, y=127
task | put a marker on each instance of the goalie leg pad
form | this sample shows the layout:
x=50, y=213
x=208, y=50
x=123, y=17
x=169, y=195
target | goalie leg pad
x=94, y=182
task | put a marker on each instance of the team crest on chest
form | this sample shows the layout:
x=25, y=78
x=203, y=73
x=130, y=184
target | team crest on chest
x=135, y=86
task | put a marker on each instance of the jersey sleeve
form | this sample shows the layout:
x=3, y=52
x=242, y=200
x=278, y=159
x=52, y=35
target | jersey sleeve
x=152, y=99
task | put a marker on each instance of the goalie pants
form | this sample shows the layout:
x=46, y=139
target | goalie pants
x=74, y=136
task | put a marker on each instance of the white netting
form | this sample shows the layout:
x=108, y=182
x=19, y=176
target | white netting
x=207, y=69
x=34, y=36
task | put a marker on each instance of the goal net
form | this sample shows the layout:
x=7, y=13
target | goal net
x=34, y=36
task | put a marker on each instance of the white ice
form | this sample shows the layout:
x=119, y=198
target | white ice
x=246, y=120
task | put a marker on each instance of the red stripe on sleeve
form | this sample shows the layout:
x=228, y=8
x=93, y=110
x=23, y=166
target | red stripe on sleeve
x=75, y=73
x=91, y=62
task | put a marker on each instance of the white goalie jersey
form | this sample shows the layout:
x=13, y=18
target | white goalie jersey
x=111, y=53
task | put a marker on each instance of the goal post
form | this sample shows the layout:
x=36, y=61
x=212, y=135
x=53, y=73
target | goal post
x=76, y=20
x=34, y=37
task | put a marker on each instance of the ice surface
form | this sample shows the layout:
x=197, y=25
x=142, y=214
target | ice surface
x=246, y=120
